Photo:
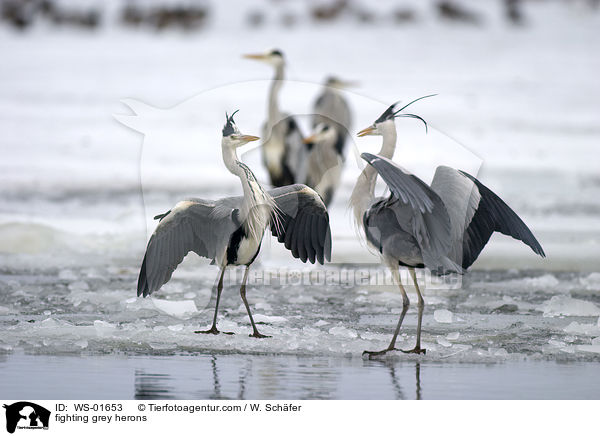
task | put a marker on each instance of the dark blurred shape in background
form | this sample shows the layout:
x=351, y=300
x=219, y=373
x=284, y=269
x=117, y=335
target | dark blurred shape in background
x=195, y=15
x=454, y=11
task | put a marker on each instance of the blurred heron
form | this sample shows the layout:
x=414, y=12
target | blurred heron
x=230, y=230
x=442, y=227
x=284, y=153
x=325, y=163
x=332, y=108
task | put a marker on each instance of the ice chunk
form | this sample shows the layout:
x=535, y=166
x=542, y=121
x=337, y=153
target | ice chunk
x=452, y=336
x=545, y=281
x=596, y=341
x=302, y=299
x=443, y=342
x=269, y=319
x=443, y=316
x=81, y=343
x=180, y=309
x=5, y=310
x=591, y=282
x=261, y=305
x=104, y=328
x=501, y=352
x=564, y=305
x=50, y=323
x=67, y=274
x=342, y=331
x=321, y=323
x=589, y=348
x=582, y=329
x=79, y=286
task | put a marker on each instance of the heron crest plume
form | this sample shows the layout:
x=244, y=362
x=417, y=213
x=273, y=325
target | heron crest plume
x=391, y=112
x=229, y=127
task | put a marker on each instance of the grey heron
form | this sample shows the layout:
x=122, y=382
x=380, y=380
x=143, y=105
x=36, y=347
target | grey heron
x=284, y=153
x=442, y=227
x=332, y=108
x=229, y=231
x=325, y=163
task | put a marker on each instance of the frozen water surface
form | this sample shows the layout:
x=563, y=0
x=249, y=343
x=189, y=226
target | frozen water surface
x=73, y=220
x=496, y=316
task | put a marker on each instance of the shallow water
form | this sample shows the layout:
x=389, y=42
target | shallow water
x=234, y=376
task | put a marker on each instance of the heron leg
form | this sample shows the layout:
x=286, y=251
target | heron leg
x=420, y=306
x=405, y=304
x=255, y=333
x=213, y=330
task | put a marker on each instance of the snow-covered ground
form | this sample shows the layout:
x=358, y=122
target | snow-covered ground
x=79, y=188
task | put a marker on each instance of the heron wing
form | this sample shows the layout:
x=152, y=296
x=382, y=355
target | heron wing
x=301, y=223
x=493, y=214
x=461, y=198
x=404, y=185
x=422, y=213
x=196, y=225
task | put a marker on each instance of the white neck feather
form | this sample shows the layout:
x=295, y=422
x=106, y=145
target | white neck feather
x=364, y=190
x=258, y=205
x=274, y=114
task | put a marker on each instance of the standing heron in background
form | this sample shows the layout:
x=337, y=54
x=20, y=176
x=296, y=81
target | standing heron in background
x=442, y=227
x=325, y=163
x=284, y=152
x=332, y=108
x=230, y=230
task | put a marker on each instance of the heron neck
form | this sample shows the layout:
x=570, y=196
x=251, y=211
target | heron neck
x=276, y=85
x=230, y=160
x=254, y=216
x=388, y=145
x=363, y=193
x=364, y=190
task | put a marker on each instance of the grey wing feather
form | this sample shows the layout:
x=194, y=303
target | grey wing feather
x=492, y=215
x=301, y=223
x=407, y=187
x=461, y=198
x=425, y=218
x=193, y=225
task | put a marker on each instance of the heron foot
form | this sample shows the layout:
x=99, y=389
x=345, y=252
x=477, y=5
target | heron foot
x=378, y=353
x=213, y=331
x=256, y=334
x=416, y=350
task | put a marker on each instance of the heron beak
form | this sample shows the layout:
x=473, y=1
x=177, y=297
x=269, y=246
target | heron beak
x=367, y=131
x=309, y=139
x=249, y=138
x=256, y=57
x=343, y=84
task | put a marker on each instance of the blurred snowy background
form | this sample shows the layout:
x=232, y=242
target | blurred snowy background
x=518, y=88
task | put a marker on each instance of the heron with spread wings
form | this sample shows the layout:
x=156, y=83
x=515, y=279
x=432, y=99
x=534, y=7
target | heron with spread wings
x=442, y=227
x=229, y=231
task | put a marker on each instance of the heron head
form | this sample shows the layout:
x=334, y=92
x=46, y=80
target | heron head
x=322, y=132
x=272, y=57
x=386, y=119
x=232, y=136
x=337, y=83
